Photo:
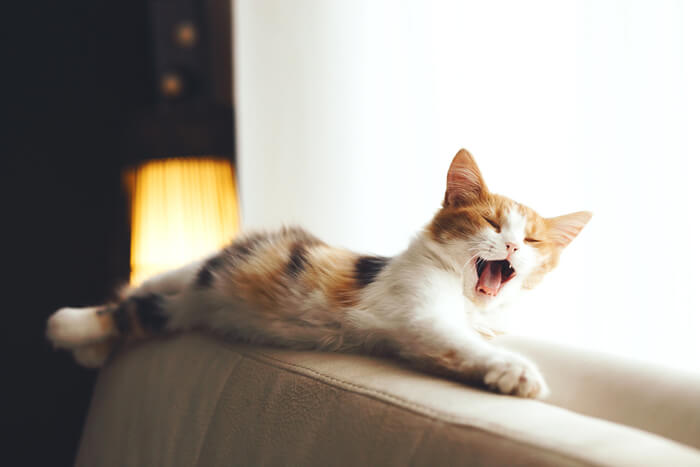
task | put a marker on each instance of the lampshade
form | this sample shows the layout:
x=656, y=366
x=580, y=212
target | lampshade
x=181, y=209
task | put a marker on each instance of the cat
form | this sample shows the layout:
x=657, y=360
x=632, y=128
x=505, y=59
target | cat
x=431, y=306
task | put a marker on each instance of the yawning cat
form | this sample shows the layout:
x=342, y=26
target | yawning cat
x=430, y=305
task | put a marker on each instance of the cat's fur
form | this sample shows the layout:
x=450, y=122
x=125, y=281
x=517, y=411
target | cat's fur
x=431, y=305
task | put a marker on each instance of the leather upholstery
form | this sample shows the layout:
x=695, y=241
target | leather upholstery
x=197, y=400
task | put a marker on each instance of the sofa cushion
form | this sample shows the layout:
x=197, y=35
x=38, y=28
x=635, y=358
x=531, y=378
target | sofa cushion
x=197, y=400
x=657, y=399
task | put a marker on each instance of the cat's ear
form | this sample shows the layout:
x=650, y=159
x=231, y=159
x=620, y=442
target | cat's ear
x=563, y=229
x=464, y=181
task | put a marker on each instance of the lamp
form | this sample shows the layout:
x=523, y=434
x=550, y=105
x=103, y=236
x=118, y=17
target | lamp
x=181, y=209
x=180, y=177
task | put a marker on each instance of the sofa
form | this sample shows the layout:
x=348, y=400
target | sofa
x=196, y=400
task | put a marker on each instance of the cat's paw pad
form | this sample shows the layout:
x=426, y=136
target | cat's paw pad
x=515, y=375
x=72, y=327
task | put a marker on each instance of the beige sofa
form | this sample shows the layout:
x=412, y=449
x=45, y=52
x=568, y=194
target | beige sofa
x=196, y=400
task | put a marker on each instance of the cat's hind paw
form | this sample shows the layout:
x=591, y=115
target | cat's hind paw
x=93, y=355
x=515, y=375
x=69, y=328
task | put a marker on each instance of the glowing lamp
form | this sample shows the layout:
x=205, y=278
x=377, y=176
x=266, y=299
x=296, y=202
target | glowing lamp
x=179, y=151
x=181, y=210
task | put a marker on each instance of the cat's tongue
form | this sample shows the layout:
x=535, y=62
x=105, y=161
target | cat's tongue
x=490, y=279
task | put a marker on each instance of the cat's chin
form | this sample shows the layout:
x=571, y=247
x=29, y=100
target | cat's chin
x=487, y=302
x=483, y=301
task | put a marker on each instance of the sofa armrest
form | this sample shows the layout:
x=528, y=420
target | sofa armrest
x=196, y=400
x=652, y=398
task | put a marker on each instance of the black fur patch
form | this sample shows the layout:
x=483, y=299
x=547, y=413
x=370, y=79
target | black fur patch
x=244, y=247
x=121, y=318
x=368, y=267
x=205, y=276
x=150, y=310
x=297, y=260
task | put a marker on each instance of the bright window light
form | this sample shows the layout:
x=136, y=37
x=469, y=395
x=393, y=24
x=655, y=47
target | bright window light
x=349, y=114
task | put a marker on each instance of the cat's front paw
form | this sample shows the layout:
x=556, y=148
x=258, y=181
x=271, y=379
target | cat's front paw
x=512, y=374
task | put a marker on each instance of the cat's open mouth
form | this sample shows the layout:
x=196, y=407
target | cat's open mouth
x=492, y=275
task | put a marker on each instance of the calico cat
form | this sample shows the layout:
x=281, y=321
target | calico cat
x=430, y=305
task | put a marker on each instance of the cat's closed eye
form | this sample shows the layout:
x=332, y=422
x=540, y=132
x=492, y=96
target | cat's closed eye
x=532, y=240
x=493, y=224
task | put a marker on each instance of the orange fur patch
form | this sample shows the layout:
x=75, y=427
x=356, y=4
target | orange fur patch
x=333, y=269
x=106, y=321
x=293, y=260
x=461, y=222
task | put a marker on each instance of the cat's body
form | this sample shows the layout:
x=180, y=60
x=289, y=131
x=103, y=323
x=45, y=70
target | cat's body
x=430, y=305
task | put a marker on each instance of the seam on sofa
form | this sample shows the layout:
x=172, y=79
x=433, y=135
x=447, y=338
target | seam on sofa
x=418, y=445
x=388, y=398
x=216, y=407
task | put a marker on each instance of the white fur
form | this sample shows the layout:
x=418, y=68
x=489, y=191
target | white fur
x=72, y=327
x=526, y=258
x=91, y=356
x=510, y=373
x=173, y=281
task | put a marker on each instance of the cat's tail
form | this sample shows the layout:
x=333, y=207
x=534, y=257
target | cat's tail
x=92, y=332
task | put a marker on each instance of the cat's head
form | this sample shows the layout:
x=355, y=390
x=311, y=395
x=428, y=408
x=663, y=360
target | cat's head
x=501, y=246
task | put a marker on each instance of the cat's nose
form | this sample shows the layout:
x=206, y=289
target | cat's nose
x=511, y=248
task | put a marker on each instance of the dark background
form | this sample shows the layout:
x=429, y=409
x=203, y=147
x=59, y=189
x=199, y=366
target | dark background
x=74, y=74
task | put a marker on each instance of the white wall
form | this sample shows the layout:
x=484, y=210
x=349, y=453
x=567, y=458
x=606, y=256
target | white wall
x=334, y=128
x=350, y=111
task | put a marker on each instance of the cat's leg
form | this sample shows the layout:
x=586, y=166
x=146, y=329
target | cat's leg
x=430, y=328
x=70, y=327
x=430, y=324
x=94, y=355
x=511, y=373
x=171, y=282
x=467, y=356
x=90, y=332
